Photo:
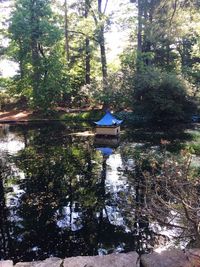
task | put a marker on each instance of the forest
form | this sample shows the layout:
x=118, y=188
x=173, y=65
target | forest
x=63, y=55
x=66, y=190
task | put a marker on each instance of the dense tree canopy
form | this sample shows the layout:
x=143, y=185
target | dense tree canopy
x=62, y=51
x=35, y=45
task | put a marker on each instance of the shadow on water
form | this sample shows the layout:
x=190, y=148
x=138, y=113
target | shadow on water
x=151, y=135
x=61, y=196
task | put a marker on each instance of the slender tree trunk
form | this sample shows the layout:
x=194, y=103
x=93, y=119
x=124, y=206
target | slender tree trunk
x=36, y=74
x=102, y=49
x=66, y=33
x=87, y=61
x=35, y=52
x=103, y=58
x=21, y=69
x=87, y=49
x=168, y=54
x=139, y=31
x=139, y=35
x=147, y=22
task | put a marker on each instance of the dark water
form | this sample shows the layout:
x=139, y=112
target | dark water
x=62, y=195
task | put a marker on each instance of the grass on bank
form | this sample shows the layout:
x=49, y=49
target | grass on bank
x=91, y=115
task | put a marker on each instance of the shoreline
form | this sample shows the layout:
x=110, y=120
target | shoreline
x=15, y=116
x=173, y=258
x=23, y=115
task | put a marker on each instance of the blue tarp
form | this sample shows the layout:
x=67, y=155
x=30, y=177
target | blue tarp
x=108, y=120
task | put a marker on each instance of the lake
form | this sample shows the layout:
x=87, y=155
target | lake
x=64, y=192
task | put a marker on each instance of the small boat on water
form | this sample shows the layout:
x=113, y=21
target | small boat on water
x=108, y=125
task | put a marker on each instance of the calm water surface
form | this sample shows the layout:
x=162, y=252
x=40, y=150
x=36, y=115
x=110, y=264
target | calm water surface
x=64, y=193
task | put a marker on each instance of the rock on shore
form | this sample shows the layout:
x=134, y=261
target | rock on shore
x=170, y=258
x=115, y=260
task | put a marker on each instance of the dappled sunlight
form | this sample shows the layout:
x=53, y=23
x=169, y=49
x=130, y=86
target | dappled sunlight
x=86, y=133
x=114, y=180
x=11, y=144
x=15, y=115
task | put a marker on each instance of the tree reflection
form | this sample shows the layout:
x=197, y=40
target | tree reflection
x=66, y=206
x=164, y=198
x=6, y=247
x=55, y=177
x=62, y=211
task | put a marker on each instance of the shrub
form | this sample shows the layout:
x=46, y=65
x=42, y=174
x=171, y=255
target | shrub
x=4, y=100
x=162, y=96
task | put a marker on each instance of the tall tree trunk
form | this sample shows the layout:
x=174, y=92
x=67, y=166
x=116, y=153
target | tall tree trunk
x=103, y=58
x=36, y=74
x=139, y=30
x=87, y=61
x=87, y=49
x=21, y=69
x=139, y=34
x=147, y=21
x=103, y=50
x=168, y=54
x=35, y=52
x=66, y=33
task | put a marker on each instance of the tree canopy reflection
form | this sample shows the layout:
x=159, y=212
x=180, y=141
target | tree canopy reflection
x=64, y=208
x=58, y=198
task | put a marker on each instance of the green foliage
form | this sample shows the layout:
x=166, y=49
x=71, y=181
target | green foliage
x=55, y=84
x=4, y=83
x=195, y=149
x=194, y=146
x=60, y=63
x=161, y=96
x=92, y=115
x=36, y=46
x=117, y=95
x=5, y=98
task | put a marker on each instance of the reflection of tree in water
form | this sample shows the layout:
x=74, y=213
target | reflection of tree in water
x=63, y=210
x=66, y=207
x=6, y=248
x=132, y=204
x=166, y=197
x=51, y=178
x=98, y=230
x=152, y=134
x=143, y=234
